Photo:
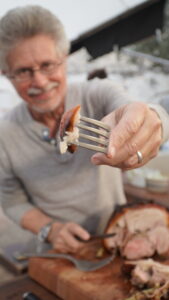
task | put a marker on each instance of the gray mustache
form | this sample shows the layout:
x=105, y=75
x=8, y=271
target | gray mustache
x=36, y=91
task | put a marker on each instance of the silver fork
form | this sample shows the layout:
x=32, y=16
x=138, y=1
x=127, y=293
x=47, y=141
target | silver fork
x=83, y=265
x=102, y=131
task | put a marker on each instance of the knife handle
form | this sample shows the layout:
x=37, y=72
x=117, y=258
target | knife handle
x=96, y=237
x=30, y=296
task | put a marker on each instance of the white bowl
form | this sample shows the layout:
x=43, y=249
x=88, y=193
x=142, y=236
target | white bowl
x=158, y=185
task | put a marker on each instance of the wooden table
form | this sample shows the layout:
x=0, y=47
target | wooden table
x=13, y=290
x=135, y=193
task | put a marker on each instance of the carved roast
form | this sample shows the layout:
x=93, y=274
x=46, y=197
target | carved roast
x=141, y=230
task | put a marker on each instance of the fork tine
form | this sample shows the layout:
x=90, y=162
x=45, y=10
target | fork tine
x=94, y=139
x=95, y=130
x=92, y=147
x=102, y=131
x=95, y=122
x=100, y=137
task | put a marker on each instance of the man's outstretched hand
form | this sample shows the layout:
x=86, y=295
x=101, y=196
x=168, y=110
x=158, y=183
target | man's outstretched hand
x=134, y=127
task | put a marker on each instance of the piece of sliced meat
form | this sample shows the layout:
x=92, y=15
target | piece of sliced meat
x=148, y=272
x=159, y=236
x=138, y=246
x=68, y=131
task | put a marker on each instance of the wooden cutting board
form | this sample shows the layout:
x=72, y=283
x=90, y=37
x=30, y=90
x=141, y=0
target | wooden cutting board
x=63, y=279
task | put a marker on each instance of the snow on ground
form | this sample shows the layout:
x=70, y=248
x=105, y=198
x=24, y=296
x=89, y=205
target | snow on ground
x=143, y=81
x=147, y=87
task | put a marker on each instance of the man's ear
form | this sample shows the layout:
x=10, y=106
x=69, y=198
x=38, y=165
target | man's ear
x=3, y=72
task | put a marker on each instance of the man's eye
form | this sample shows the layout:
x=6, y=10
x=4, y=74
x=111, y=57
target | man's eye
x=47, y=66
x=23, y=71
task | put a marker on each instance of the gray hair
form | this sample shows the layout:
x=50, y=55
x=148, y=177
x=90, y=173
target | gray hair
x=24, y=22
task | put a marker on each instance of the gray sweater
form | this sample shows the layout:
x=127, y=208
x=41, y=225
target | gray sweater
x=67, y=186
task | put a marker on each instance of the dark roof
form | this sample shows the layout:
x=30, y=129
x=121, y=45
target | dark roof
x=133, y=25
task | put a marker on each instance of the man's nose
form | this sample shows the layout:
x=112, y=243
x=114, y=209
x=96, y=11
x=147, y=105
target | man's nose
x=39, y=78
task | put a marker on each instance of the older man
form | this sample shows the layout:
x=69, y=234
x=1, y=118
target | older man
x=59, y=196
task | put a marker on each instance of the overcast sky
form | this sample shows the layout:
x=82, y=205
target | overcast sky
x=78, y=16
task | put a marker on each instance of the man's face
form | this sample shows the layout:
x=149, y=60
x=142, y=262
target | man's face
x=43, y=91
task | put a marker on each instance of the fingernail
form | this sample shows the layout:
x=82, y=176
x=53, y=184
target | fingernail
x=95, y=160
x=111, y=153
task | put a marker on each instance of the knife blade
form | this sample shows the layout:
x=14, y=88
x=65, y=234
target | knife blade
x=96, y=237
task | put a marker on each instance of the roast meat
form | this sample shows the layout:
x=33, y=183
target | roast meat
x=68, y=131
x=141, y=230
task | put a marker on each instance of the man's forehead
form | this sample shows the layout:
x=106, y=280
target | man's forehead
x=33, y=51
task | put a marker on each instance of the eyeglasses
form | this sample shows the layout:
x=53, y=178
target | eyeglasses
x=26, y=74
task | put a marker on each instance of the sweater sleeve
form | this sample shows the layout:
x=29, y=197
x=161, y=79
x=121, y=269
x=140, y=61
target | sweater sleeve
x=13, y=197
x=164, y=116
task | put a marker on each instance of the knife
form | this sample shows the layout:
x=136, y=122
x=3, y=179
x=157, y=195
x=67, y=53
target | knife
x=96, y=237
x=21, y=256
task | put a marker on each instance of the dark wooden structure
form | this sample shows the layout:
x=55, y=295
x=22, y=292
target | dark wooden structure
x=134, y=25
